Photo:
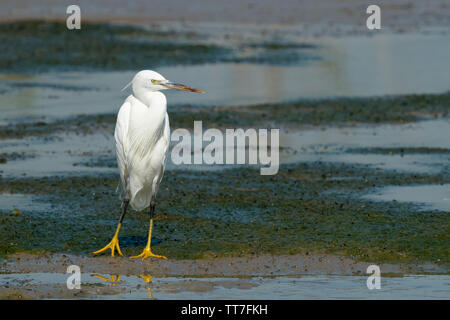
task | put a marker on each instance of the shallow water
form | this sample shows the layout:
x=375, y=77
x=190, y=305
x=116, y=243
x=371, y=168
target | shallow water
x=24, y=202
x=306, y=287
x=62, y=155
x=391, y=63
x=348, y=66
x=69, y=154
x=435, y=197
x=328, y=144
x=428, y=134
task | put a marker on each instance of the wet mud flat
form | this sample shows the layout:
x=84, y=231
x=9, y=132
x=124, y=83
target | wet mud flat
x=316, y=203
x=303, y=113
x=342, y=198
x=306, y=208
x=297, y=276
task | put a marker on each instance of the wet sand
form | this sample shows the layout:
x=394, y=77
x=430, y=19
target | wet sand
x=311, y=276
x=323, y=17
x=249, y=266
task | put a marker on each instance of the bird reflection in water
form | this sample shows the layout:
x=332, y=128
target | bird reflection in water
x=148, y=279
x=115, y=279
x=112, y=278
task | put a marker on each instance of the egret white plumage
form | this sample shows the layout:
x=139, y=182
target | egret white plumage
x=142, y=137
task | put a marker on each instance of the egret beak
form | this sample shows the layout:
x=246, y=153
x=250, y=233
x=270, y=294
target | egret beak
x=179, y=86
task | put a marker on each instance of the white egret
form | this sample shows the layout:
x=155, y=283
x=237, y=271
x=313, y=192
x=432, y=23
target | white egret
x=142, y=137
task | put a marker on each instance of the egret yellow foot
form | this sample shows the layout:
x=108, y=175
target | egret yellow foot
x=113, y=245
x=148, y=253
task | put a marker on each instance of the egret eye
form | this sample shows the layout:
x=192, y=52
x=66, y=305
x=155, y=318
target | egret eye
x=155, y=81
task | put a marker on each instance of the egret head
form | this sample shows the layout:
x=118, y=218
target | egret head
x=148, y=80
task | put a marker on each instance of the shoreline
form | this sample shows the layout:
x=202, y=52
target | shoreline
x=264, y=265
x=328, y=15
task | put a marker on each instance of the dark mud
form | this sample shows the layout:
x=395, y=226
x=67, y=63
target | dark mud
x=12, y=156
x=83, y=124
x=102, y=161
x=400, y=150
x=339, y=111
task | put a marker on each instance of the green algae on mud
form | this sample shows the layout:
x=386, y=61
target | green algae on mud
x=36, y=45
x=339, y=111
x=40, y=45
x=12, y=156
x=82, y=124
x=307, y=207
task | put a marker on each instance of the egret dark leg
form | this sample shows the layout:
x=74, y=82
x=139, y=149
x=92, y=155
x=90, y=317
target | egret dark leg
x=152, y=208
x=124, y=210
x=114, y=244
x=147, y=250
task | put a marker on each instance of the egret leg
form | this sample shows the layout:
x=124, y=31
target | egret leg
x=147, y=250
x=114, y=244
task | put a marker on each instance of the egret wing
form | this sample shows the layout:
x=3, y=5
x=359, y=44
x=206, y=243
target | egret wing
x=166, y=141
x=120, y=135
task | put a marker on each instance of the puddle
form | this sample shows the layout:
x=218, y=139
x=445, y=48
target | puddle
x=435, y=197
x=59, y=156
x=418, y=163
x=427, y=134
x=330, y=144
x=10, y=202
x=96, y=286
